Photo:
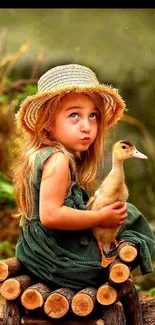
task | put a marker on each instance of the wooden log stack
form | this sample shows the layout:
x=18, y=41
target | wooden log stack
x=115, y=302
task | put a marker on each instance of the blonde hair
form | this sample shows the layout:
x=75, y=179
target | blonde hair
x=85, y=163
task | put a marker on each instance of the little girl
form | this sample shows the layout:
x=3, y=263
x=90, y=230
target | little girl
x=63, y=128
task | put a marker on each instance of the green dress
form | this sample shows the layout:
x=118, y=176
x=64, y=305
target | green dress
x=71, y=258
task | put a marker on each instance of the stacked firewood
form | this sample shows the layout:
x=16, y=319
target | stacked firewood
x=29, y=302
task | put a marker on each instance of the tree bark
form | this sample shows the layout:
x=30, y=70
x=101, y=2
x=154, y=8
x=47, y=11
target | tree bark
x=31, y=321
x=131, y=303
x=114, y=315
x=11, y=313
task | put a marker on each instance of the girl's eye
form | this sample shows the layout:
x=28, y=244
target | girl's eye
x=74, y=115
x=93, y=115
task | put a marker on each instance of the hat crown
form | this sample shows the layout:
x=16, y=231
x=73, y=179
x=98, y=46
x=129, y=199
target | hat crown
x=66, y=75
x=65, y=79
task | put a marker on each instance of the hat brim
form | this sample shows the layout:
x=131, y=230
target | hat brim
x=26, y=117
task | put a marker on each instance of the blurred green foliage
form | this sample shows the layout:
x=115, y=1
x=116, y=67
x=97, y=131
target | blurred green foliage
x=151, y=291
x=6, y=250
x=6, y=191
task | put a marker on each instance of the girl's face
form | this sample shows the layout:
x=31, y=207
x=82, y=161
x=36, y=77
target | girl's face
x=76, y=122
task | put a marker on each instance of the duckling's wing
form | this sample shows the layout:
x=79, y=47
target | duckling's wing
x=98, y=202
x=97, y=193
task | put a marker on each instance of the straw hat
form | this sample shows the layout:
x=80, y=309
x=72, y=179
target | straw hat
x=63, y=79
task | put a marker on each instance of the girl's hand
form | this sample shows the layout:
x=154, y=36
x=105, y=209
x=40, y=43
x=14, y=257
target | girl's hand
x=113, y=215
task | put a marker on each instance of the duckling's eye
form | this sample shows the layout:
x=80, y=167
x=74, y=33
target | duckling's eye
x=123, y=147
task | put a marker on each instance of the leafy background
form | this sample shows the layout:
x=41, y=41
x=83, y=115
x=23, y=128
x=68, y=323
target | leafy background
x=118, y=44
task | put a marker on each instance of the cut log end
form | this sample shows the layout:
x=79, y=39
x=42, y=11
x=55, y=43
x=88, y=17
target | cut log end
x=106, y=295
x=10, y=289
x=56, y=306
x=9, y=267
x=3, y=271
x=128, y=253
x=82, y=304
x=31, y=299
x=119, y=273
x=100, y=322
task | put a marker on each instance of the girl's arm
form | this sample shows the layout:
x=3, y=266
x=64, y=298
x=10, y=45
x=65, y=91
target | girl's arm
x=54, y=187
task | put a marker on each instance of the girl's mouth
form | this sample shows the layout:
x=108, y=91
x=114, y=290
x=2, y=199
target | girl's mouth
x=85, y=140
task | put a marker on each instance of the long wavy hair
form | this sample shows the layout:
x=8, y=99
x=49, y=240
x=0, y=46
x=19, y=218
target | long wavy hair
x=85, y=164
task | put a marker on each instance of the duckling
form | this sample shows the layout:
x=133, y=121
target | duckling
x=113, y=188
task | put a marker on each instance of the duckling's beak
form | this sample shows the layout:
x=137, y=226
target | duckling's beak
x=138, y=154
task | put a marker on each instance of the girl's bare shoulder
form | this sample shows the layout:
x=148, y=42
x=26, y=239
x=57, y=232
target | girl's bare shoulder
x=57, y=162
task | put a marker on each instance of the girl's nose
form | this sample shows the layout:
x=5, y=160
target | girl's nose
x=85, y=126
